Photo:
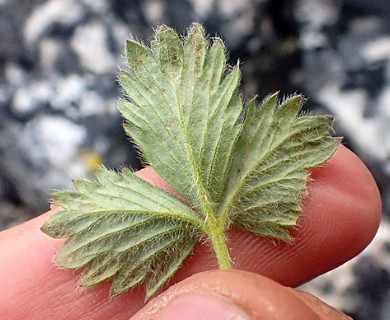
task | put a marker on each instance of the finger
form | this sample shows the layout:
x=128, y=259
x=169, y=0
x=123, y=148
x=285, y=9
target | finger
x=234, y=294
x=339, y=218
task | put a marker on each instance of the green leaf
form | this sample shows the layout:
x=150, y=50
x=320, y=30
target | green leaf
x=124, y=227
x=182, y=112
x=268, y=174
x=235, y=166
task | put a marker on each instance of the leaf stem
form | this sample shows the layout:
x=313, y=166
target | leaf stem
x=216, y=234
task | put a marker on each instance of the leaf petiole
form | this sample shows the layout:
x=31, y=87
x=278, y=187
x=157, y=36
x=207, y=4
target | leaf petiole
x=216, y=233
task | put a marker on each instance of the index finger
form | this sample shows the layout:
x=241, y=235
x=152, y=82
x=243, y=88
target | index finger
x=340, y=217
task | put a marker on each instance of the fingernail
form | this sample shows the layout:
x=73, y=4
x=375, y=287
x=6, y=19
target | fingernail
x=191, y=306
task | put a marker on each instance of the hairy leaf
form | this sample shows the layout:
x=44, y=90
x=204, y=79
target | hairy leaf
x=236, y=166
x=121, y=225
x=267, y=180
x=183, y=112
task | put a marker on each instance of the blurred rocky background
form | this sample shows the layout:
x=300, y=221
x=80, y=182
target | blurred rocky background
x=58, y=91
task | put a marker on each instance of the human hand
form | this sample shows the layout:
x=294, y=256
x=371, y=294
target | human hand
x=340, y=217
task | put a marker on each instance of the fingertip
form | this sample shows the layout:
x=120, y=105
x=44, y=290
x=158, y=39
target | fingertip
x=340, y=217
x=349, y=175
x=347, y=195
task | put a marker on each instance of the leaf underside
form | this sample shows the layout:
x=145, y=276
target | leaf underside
x=237, y=166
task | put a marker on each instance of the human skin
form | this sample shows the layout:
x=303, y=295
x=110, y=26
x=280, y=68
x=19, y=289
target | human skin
x=339, y=218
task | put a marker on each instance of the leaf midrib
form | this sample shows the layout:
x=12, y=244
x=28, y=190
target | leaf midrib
x=205, y=209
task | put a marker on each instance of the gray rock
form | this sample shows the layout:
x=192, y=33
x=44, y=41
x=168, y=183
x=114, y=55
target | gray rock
x=346, y=71
x=58, y=91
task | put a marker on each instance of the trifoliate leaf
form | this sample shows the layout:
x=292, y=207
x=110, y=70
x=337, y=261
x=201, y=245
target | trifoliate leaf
x=236, y=166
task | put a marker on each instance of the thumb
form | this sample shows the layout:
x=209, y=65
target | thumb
x=234, y=294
